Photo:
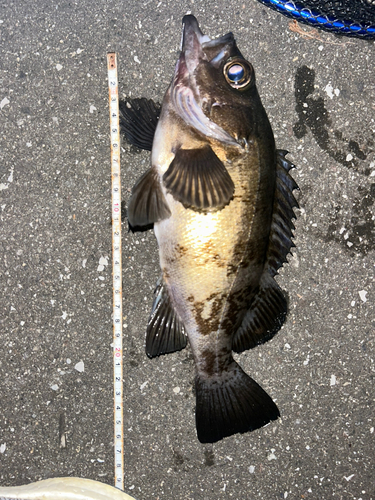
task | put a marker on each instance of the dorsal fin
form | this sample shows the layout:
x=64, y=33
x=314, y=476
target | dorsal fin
x=138, y=120
x=281, y=234
x=268, y=309
x=198, y=179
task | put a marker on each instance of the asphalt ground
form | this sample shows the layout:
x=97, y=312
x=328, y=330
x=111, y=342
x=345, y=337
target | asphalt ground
x=55, y=247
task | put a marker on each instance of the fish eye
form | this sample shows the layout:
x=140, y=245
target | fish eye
x=238, y=73
x=235, y=73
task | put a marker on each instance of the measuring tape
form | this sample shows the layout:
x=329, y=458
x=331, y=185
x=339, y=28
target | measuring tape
x=116, y=269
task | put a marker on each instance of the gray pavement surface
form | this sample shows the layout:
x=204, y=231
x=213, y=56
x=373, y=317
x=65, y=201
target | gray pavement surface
x=55, y=265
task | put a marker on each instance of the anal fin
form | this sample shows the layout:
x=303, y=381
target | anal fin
x=165, y=331
x=230, y=403
x=199, y=180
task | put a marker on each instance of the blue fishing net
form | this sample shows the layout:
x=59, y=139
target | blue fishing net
x=347, y=17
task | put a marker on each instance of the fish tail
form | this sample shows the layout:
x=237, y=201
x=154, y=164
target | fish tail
x=231, y=403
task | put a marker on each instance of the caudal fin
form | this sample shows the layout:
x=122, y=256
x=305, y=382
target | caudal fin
x=231, y=403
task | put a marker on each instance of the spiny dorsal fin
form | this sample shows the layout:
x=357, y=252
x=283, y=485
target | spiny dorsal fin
x=147, y=204
x=165, y=331
x=138, y=120
x=281, y=234
x=198, y=179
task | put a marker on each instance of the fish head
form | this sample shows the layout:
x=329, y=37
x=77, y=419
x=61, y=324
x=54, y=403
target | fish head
x=213, y=89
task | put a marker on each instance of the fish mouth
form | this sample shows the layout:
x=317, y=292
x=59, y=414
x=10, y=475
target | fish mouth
x=193, y=37
x=192, y=31
x=196, y=47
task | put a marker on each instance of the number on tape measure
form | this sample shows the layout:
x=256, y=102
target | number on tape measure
x=117, y=269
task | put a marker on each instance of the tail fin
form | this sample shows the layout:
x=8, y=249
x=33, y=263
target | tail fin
x=231, y=403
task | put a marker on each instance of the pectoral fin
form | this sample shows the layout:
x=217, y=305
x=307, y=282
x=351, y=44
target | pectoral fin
x=138, y=120
x=147, y=204
x=198, y=179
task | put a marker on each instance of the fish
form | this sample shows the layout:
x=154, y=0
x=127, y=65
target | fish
x=64, y=488
x=220, y=199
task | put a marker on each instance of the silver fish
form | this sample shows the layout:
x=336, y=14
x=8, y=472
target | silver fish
x=220, y=198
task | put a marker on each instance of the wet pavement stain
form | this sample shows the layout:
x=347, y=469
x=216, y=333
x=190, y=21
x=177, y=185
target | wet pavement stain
x=178, y=458
x=358, y=233
x=209, y=458
x=354, y=231
x=313, y=115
